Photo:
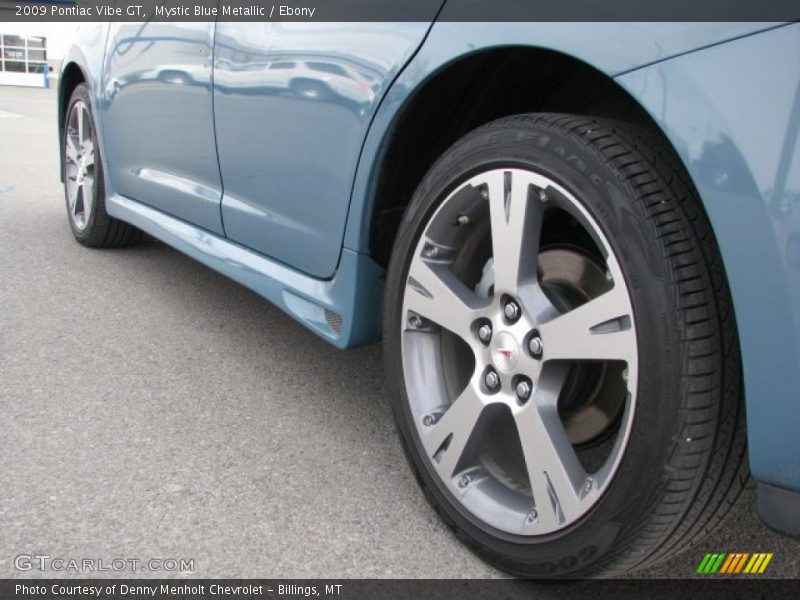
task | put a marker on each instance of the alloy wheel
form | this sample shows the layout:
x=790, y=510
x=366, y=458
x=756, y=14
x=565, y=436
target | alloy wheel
x=79, y=158
x=519, y=352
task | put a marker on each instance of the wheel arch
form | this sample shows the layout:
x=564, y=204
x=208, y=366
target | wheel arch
x=463, y=94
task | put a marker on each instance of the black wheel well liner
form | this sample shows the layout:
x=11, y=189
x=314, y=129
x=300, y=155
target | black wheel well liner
x=471, y=92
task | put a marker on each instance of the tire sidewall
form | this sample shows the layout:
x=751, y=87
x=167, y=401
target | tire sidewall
x=632, y=237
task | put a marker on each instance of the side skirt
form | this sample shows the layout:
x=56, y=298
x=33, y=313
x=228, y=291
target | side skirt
x=345, y=310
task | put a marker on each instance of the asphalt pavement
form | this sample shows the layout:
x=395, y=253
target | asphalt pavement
x=150, y=408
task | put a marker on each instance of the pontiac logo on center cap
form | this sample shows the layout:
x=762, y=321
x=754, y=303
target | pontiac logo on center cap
x=505, y=352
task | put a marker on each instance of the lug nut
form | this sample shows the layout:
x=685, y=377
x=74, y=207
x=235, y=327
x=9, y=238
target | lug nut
x=625, y=375
x=431, y=252
x=524, y=389
x=535, y=345
x=463, y=482
x=429, y=420
x=485, y=333
x=462, y=220
x=512, y=311
x=491, y=380
x=414, y=322
x=542, y=195
x=532, y=516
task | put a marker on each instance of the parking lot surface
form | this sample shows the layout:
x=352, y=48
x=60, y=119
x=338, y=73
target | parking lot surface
x=151, y=408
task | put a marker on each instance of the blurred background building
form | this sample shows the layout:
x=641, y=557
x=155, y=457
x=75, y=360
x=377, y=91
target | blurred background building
x=30, y=50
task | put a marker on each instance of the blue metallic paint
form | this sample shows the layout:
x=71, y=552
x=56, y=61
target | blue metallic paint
x=291, y=117
x=357, y=287
x=611, y=48
x=158, y=118
x=732, y=113
x=709, y=103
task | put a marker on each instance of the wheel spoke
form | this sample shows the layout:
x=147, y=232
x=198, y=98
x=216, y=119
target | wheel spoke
x=554, y=471
x=446, y=441
x=87, y=190
x=73, y=188
x=79, y=117
x=601, y=329
x=516, y=219
x=88, y=153
x=438, y=295
x=70, y=150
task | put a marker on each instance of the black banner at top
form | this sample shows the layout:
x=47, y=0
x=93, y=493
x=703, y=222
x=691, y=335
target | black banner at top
x=399, y=10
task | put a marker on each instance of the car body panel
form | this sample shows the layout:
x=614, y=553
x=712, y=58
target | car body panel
x=612, y=48
x=293, y=102
x=317, y=304
x=158, y=118
x=732, y=113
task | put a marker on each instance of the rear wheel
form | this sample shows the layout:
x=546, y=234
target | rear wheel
x=560, y=349
x=83, y=180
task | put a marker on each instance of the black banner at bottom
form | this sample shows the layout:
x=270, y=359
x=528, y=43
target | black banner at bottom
x=412, y=589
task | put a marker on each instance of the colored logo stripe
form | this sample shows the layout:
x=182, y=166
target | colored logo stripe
x=742, y=560
x=703, y=563
x=727, y=564
x=738, y=562
x=734, y=563
x=711, y=563
x=758, y=563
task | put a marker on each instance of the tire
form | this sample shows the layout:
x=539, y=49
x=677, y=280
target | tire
x=625, y=442
x=84, y=186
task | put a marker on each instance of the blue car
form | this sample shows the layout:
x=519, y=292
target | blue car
x=578, y=242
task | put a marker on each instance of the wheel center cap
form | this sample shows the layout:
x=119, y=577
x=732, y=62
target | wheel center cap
x=505, y=352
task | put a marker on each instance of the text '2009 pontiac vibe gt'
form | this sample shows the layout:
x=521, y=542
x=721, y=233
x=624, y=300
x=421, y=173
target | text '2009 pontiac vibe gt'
x=579, y=242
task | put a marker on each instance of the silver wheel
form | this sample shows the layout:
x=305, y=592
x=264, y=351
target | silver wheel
x=519, y=353
x=79, y=165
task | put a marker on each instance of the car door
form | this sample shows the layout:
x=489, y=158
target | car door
x=158, y=119
x=293, y=102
